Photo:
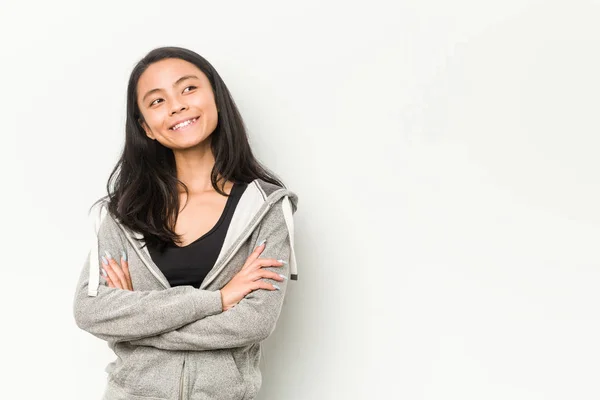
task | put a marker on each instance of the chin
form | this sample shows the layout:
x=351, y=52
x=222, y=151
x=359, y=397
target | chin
x=190, y=144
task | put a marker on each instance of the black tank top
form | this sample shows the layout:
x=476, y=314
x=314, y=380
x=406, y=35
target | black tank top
x=189, y=265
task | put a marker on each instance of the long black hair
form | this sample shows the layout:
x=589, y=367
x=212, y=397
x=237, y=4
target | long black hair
x=143, y=186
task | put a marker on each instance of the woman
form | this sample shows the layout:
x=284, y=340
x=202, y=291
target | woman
x=205, y=239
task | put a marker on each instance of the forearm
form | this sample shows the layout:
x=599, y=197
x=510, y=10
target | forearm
x=252, y=320
x=120, y=315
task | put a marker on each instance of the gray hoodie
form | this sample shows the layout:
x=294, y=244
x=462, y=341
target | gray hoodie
x=176, y=343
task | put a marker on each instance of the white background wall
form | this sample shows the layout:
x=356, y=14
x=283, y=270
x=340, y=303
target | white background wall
x=446, y=159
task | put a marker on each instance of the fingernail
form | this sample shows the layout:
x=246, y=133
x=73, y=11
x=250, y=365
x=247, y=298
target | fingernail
x=108, y=254
x=261, y=243
x=281, y=261
x=123, y=255
x=276, y=287
x=104, y=260
x=283, y=276
x=104, y=272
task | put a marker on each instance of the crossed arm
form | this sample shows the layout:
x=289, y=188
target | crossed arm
x=122, y=315
x=253, y=319
x=183, y=317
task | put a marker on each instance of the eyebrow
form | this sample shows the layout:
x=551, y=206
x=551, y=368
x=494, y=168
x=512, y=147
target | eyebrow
x=177, y=82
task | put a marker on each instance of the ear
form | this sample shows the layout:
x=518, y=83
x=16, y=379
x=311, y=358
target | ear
x=146, y=129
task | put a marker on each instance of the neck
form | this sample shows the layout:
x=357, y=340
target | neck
x=194, y=167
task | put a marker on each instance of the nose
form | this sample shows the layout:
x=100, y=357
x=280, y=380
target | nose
x=177, y=107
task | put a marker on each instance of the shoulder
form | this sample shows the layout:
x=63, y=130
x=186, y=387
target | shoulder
x=266, y=188
x=274, y=193
x=103, y=221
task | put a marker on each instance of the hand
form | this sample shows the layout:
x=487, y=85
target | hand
x=248, y=279
x=116, y=276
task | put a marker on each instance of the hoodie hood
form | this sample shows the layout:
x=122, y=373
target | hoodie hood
x=256, y=201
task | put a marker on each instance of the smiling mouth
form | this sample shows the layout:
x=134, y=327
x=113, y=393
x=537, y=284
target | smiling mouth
x=184, y=124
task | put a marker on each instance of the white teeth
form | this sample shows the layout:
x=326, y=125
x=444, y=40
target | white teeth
x=184, y=123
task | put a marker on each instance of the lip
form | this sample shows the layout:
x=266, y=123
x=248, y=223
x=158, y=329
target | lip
x=183, y=120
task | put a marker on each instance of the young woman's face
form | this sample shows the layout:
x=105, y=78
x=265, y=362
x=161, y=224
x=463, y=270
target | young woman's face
x=171, y=91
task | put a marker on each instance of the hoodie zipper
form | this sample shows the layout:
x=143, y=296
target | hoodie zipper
x=181, y=380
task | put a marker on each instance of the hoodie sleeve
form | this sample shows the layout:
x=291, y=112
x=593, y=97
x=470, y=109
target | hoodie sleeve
x=114, y=314
x=254, y=318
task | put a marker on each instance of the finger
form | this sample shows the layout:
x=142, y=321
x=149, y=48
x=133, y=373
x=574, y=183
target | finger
x=108, y=280
x=264, y=285
x=127, y=276
x=125, y=267
x=264, y=273
x=255, y=254
x=117, y=269
x=111, y=276
x=268, y=262
x=109, y=273
x=110, y=269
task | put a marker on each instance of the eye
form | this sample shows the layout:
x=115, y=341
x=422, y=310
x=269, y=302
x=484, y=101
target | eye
x=154, y=102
